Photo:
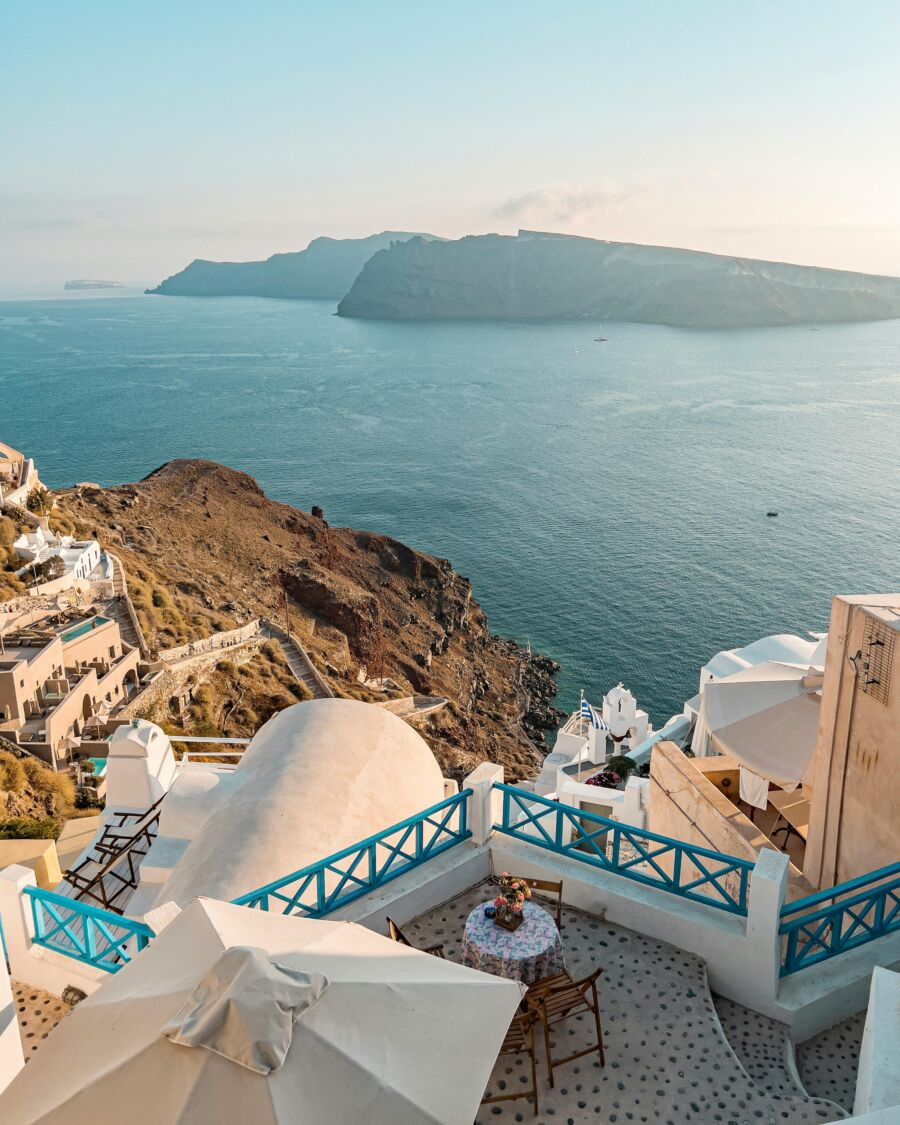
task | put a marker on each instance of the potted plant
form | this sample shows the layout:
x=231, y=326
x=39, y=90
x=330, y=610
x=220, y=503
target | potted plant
x=606, y=778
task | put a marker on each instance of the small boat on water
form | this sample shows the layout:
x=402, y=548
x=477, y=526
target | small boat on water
x=600, y=339
x=771, y=513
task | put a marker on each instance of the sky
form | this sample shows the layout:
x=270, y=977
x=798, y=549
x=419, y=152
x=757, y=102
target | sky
x=135, y=137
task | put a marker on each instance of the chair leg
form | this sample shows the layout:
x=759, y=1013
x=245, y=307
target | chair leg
x=599, y=1030
x=547, y=1048
x=534, y=1084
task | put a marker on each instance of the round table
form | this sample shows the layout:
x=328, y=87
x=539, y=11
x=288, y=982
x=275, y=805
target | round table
x=531, y=952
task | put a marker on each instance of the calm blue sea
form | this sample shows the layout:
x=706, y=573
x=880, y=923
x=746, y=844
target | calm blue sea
x=607, y=500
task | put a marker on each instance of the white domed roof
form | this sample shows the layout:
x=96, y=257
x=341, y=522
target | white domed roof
x=318, y=777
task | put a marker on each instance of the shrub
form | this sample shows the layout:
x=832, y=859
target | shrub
x=27, y=828
x=43, y=780
x=622, y=765
x=12, y=775
x=38, y=500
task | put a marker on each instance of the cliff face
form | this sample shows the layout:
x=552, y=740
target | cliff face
x=542, y=276
x=204, y=547
x=324, y=270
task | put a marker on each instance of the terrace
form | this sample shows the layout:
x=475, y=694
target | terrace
x=668, y=1057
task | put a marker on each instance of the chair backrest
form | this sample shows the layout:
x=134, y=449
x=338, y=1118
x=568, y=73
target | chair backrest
x=396, y=934
x=544, y=885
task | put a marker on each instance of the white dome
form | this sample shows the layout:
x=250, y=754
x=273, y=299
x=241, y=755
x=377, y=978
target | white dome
x=318, y=777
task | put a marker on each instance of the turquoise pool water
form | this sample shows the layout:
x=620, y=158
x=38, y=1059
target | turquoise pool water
x=99, y=766
x=86, y=627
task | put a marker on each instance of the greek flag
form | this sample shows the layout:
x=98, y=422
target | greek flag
x=593, y=715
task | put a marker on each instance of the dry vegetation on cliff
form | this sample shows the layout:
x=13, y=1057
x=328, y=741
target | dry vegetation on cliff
x=206, y=550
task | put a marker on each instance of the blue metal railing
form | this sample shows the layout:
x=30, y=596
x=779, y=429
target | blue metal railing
x=97, y=937
x=851, y=914
x=332, y=882
x=657, y=861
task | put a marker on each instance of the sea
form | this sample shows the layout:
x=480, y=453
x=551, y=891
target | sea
x=607, y=498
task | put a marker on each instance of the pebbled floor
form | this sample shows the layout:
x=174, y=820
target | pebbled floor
x=667, y=1059
x=38, y=1013
x=761, y=1044
x=828, y=1062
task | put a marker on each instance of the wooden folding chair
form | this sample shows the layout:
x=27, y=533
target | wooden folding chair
x=549, y=888
x=559, y=998
x=519, y=1039
x=396, y=934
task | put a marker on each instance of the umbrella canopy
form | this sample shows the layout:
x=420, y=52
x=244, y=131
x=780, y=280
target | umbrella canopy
x=767, y=717
x=234, y=1016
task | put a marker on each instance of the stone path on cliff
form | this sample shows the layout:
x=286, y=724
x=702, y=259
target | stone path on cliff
x=298, y=660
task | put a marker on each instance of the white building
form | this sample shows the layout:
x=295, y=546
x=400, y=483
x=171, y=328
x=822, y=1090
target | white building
x=80, y=558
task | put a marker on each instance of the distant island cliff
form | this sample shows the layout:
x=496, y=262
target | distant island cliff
x=536, y=276
x=325, y=270
x=86, y=283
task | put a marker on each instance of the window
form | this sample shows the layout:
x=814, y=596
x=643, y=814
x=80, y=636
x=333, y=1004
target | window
x=112, y=652
x=874, y=670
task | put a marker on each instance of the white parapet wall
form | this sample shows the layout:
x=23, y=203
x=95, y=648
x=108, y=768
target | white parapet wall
x=878, y=1078
x=11, y=1057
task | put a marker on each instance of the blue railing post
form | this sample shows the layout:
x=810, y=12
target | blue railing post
x=676, y=869
x=616, y=847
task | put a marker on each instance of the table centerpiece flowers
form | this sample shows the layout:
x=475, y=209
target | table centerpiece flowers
x=514, y=893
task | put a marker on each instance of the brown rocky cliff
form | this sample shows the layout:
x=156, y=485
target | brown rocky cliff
x=206, y=549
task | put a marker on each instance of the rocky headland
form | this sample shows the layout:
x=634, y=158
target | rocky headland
x=325, y=270
x=536, y=276
x=206, y=550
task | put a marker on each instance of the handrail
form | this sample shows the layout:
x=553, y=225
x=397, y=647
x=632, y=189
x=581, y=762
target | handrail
x=86, y=933
x=691, y=876
x=370, y=863
x=831, y=893
x=845, y=924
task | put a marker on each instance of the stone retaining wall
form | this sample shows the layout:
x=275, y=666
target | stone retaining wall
x=174, y=681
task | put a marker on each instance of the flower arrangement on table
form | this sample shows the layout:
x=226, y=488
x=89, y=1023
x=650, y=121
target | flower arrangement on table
x=514, y=893
x=608, y=779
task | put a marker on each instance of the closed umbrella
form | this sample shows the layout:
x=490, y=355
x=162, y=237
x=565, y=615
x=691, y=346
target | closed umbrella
x=233, y=1016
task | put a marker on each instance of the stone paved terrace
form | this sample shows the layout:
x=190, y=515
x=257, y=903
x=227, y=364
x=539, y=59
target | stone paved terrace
x=668, y=1061
x=829, y=1061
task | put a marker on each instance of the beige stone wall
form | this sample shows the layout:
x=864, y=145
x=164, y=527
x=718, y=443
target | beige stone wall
x=854, y=775
x=40, y=855
x=154, y=699
x=685, y=804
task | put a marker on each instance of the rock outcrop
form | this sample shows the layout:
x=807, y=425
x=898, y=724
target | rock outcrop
x=205, y=549
x=325, y=270
x=545, y=276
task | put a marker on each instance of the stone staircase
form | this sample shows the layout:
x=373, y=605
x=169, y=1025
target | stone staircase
x=298, y=660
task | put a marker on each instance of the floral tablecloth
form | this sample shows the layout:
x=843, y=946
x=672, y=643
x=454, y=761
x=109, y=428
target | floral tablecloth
x=531, y=952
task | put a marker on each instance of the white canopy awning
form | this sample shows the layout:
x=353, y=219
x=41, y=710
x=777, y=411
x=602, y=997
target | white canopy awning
x=233, y=1016
x=767, y=717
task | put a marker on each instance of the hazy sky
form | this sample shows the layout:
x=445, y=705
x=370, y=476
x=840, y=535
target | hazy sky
x=135, y=136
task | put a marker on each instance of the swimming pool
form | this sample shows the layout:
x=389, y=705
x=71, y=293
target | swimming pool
x=85, y=627
x=99, y=766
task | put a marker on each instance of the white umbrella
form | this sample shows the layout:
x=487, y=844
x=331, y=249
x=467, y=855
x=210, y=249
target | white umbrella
x=767, y=717
x=369, y=1031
